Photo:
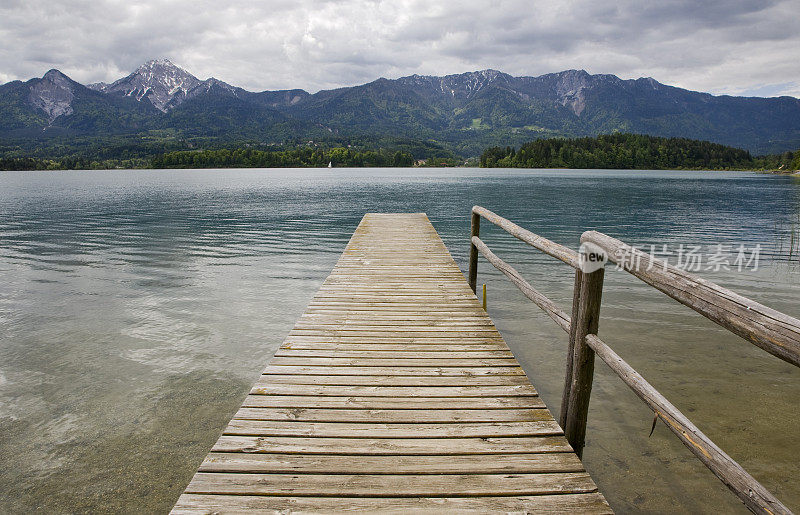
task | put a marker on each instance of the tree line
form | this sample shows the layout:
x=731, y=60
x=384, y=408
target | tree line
x=233, y=158
x=621, y=151
x=632, y=151
x=70, y=163
x=297, y=158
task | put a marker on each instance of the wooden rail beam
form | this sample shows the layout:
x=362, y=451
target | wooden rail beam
x=545, y=304
x=565, y=254
x=757, y=498
x=773, y=331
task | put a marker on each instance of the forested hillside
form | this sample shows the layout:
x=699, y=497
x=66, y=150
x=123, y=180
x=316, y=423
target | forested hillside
x=632, y=151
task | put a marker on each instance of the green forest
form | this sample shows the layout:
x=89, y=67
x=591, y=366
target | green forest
x=616, y=151
x=297, y=158
x=633, y=151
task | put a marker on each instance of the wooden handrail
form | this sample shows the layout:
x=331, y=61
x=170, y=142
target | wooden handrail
x=773, y=331
x=752, y=493
x=565, y=254
x=545, y=304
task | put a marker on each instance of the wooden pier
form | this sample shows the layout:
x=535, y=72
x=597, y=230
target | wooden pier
x=394, y=392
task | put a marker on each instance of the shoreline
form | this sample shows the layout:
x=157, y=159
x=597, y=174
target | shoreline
x=760, y=172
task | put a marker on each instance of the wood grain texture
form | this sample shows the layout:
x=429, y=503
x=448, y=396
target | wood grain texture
x=562, y=503
x=394, y=392
x=528, y=463
x=390, y=485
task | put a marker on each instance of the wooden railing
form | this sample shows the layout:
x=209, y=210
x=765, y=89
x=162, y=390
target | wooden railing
x=773, y=331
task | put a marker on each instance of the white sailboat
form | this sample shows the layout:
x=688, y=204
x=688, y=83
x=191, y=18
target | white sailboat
x=330, y=164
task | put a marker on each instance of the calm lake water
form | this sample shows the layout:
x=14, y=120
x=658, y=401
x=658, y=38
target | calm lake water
x=137, y=307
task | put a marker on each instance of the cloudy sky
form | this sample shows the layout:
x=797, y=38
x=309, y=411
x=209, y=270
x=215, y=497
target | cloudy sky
x=749, y=47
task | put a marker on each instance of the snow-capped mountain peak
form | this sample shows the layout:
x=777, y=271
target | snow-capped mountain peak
x=161, y=82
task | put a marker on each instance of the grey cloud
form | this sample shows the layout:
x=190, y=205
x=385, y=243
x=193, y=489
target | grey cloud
x=722, y=46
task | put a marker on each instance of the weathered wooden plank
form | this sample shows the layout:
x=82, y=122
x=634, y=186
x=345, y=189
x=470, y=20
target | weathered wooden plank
x=389, y=333
x=394, y=347
x=397, y=337
x=265, y=387
x=391, y=446
x=332, y=464
x=239, y=427
x=383, y=354
x=460, y=371
x=394, y=485
x=373, y=380
x=416, y=402
x=190, y=504
x=464, y=311
x=417, y=317
x=407, y=320
x=366, y=323
x=399, y=304
x=392, y=362
x=393, y=415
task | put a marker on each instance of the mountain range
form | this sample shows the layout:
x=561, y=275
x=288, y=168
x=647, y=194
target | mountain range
x=160, y=103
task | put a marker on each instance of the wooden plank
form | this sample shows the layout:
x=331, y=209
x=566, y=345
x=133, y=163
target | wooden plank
x=394, y=392
x=416, y=402
x=395, y=485
x=390, y=332
x=396, y=339
x=239, y=427
x=371, y=323
x=460, y=371
x=373, y=380
x=389, y=362
x=468, y=311
x=404, y=339
x=383, y=354
x=392, y=347
x=393, y=415
x=391, y=446
x=190, y=504
x=264, y=387
x=530, y=463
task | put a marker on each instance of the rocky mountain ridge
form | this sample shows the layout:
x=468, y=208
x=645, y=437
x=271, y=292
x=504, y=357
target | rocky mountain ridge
x=465, y=111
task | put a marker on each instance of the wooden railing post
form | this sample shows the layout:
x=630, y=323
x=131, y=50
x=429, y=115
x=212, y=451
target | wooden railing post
x=473, y=251
x=586, y=316
x=576, y=290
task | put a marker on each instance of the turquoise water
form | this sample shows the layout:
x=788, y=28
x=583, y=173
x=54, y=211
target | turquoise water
x=136, y=308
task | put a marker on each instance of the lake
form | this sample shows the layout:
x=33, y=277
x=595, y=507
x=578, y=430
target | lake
x=137, y=308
